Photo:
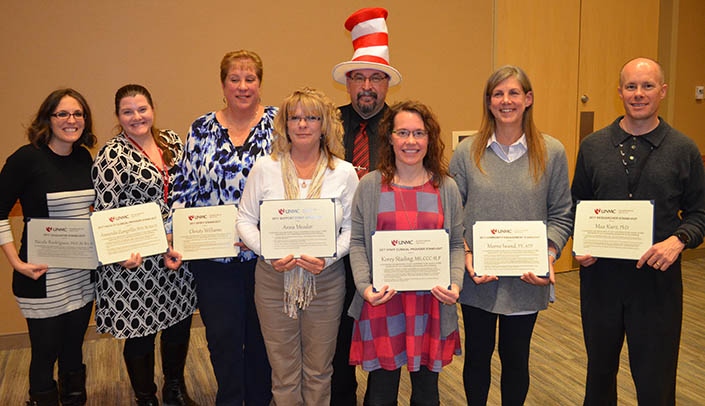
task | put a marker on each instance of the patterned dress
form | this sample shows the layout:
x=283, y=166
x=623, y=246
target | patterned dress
x=213, y=171
x=406, y=329
x=143, y=301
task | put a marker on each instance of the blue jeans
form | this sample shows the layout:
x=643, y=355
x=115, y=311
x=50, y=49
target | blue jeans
x=227, y=307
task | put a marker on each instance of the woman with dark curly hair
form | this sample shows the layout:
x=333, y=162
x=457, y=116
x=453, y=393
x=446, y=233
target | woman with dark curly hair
x=410, y=190
x=51, y=177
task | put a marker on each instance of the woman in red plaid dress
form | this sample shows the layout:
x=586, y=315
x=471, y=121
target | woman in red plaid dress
x=410, y=190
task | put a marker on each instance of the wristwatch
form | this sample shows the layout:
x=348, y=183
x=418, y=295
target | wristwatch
x=683, y=237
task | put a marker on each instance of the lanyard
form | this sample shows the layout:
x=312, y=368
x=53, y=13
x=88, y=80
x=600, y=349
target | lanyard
x=164, y=172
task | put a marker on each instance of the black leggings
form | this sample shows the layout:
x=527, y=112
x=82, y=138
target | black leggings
x=514, y=345
x=178, y=333
x=383, y=387
x=59, y=337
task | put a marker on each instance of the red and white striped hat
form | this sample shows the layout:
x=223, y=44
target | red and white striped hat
x=371, y=43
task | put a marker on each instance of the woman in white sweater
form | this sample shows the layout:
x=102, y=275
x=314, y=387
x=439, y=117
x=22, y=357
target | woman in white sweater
x=299, y=297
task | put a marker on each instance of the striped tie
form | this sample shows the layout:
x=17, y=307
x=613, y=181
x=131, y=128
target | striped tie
x=361, y=151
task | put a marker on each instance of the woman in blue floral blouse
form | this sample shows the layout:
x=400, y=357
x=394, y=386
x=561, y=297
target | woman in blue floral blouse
x=221, y=147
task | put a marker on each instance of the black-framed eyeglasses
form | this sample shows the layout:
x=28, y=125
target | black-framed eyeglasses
x=307, y=119
x=375, y=79
x=64, y=115
x=404, y=133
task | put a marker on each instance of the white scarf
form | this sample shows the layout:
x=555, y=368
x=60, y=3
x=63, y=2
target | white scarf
x=300, y=284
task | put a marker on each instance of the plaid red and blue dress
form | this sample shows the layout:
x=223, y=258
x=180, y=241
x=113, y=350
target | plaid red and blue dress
x=406, y=329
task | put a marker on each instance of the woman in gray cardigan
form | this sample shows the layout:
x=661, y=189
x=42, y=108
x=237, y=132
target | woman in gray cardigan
x=410, y=190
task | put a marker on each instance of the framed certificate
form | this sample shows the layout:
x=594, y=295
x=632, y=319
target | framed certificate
x=510, y=248
x=122, y=231
x=61, y=243
x=205, y=232
x=411, y=260
x=299, y=226
x=613, y=228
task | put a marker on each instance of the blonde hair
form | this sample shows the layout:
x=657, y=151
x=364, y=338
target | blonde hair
x=535, y=143
x=312, y=102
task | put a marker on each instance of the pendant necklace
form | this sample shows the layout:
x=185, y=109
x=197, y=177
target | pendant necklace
x=414, y=225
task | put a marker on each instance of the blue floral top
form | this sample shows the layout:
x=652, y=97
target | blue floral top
x=213, y=171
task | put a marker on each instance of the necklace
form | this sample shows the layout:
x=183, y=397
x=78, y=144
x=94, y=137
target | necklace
x=238, y=132
x=163, y=171
x=400, y=190
x=303, y=172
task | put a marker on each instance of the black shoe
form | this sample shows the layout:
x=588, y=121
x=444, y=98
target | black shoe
x=72, y=387
x=173, y=363
x=46, y=398
x=141, y=372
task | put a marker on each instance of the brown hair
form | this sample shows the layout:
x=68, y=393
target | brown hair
x=434, y=161
x=232, y=57
x=536, y=145
x=39, y=131
x=133, y=90
x=312, y=102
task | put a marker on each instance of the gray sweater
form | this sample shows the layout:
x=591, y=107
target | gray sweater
x=673, y=177
x=364, y=223
x=508, y=192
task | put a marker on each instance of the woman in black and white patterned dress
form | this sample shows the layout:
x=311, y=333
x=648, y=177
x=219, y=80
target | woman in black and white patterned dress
x=141, y=296
x=51, y=178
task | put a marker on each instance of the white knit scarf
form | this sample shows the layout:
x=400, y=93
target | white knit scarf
x=300, y=284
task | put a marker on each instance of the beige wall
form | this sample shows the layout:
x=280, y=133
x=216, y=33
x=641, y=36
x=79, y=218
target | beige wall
x=174, y=48
x=444, y=50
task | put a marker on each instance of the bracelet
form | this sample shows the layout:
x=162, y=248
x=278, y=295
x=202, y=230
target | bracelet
x=468, y=252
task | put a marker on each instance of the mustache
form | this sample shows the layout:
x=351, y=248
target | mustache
x=367, y=93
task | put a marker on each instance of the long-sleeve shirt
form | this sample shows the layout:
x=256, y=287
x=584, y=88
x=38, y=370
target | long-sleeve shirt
x=265, y=183
x=672, y=176
x=508, y=192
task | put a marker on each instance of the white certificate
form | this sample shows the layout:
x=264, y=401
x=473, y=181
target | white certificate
x=613, y=228
x=205, y=232
x=61, y=243
x=299, y=226
x=510, y=248
x=122, y=231
x=411, y=260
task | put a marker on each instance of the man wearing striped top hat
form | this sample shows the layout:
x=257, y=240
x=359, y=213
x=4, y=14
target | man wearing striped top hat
x=367, y=78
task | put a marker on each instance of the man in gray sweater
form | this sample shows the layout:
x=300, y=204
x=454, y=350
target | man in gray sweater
x=639, y=157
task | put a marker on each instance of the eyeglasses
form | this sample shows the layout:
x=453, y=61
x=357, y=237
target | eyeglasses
x=307, y=119
x=64, y=115
x=404, y=133
x=375, y=79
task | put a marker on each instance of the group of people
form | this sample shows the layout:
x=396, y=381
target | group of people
x=292, y=330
